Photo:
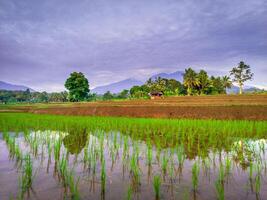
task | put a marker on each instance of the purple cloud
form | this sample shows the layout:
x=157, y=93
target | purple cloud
x=41, y=42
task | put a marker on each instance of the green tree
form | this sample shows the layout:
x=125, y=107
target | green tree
x=174, y=87
x=204, y=82
x=78, y=86
x=159, y=84
x=108, y=96
x=226, y=82
x=42, y=97
x=123, y=94
x=139, y=91
x=190, y=80
x=240, y=74
x=216, y=85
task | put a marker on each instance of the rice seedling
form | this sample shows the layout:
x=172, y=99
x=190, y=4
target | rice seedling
x=156, y=186
x=177, y=142
x=164, y=163
x=258, y=179
x=125, y=149
x=67, y=178
x=73, y=186
x=149, y=155
x=251, y=166
x=26, y=178
x=103, y=177
x=57, y=146
x=129, y=193
x=219, y=189
x=257, y=183
x=228, y=165
x=195, y=174
x=134, y=170
x=180, y=155
x=219, y=184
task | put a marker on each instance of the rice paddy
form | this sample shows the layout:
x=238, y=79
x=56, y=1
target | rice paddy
x=63, y=157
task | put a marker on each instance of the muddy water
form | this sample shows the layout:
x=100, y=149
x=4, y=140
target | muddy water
x=84, y=153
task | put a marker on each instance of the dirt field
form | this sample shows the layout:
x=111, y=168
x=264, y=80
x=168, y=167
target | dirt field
x=250, y=107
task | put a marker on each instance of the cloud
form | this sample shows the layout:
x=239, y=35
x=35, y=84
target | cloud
x=41, y=42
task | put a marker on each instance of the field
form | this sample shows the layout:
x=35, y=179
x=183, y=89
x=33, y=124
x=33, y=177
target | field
x=75, y=157
x=210, y=147
x=249, y=107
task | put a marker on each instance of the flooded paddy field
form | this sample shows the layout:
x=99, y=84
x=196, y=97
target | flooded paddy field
x=63, y=157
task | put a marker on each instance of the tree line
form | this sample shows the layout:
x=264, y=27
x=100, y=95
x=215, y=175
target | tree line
x=194, y=83
x=32, y=97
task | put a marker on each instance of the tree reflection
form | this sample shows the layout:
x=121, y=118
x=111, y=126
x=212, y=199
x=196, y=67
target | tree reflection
x=75, y=141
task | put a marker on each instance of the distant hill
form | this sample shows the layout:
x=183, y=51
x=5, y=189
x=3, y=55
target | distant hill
x=11, y=87
x=178, y=75
x=117, y=86
x=246, y=89
x=128, y=83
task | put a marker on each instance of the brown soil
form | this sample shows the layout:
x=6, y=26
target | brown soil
x=250, y=107
x=199, y=112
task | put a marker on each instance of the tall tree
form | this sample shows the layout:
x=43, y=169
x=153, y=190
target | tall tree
x=78, y=86
x=159, y=84
x=240, y=74
x=226, y=82
x=173, y=87
x=190, y=80
x=204, y=81
x=216, y=85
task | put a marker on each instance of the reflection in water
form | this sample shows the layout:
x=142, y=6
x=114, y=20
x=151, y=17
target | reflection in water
x=75, y=141
x=56, y=157
x=111, y=165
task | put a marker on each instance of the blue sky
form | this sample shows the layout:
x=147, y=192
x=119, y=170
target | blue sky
x=42, y=42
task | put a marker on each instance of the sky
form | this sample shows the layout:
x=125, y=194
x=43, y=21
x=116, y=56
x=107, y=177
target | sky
x=42, y=42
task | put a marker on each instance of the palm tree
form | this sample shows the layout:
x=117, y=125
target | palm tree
x=226, y=82
x=190, y=80
x=204, y=81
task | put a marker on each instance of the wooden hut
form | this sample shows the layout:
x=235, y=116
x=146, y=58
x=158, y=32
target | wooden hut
x=156, y=95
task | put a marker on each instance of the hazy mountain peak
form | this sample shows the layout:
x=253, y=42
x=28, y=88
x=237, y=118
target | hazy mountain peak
x=12, y=87
x=117, y=86
x=177, y=75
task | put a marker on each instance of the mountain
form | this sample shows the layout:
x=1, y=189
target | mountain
x=178, y=75
x=11, y=87
x=247, y=89
x=117, y=87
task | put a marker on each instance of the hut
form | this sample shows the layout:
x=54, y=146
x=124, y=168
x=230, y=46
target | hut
x=156, y=95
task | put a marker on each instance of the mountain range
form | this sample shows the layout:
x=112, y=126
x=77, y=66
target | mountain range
x=128, y=83
x=117, y=87
x=12, y=87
